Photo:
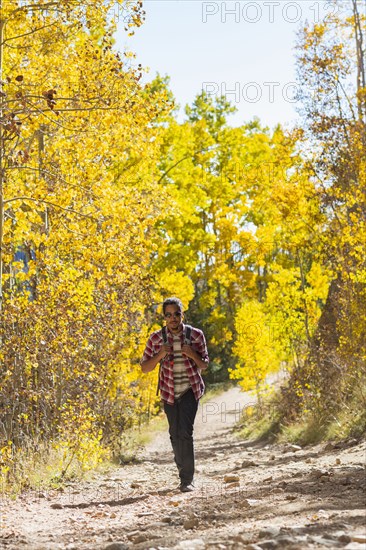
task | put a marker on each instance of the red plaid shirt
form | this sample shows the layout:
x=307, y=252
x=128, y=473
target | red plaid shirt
x=166, y=381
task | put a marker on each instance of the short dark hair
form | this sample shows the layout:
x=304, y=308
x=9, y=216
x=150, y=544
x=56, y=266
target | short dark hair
x=173, y=301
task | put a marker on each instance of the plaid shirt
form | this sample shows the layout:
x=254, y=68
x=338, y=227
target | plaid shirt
x=166, y=381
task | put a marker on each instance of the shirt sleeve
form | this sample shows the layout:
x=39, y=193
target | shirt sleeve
x=202, y=347
x=149, y=350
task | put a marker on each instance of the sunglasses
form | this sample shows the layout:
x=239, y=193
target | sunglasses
x=176, y=314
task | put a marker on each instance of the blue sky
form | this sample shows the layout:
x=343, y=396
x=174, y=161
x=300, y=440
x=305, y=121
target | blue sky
x=244, y=50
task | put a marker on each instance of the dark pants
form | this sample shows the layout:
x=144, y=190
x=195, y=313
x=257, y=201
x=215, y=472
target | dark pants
x=181, y=417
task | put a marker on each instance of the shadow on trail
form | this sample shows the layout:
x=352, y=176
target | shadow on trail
x=118, y=502
x=93, y=503
x=209, y=451
x=339, y=490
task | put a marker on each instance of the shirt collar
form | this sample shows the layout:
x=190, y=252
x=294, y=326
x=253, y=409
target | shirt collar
x=176, y=333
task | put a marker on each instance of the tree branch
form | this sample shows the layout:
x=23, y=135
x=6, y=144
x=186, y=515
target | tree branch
x=42, y=201
x=181, y=160
x=28, y=33
x=51, y=174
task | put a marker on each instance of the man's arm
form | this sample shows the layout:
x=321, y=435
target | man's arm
x=148, y=365
x=200, y=357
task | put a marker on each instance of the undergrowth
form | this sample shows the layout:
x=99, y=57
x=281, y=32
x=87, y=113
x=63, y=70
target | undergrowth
x=311, y=427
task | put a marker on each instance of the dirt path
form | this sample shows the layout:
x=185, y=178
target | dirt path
x=284, y=497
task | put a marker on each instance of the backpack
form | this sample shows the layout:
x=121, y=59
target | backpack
x=187, y=341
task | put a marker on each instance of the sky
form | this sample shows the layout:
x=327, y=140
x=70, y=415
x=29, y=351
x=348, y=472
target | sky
x=244, y=50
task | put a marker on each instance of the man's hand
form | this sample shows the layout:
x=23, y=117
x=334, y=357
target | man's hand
x=165, y=350
x=150, y=364
x=189, y=352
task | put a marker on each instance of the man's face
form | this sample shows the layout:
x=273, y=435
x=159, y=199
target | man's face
x=173, y=317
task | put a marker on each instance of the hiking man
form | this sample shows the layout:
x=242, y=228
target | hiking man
x=182, y=353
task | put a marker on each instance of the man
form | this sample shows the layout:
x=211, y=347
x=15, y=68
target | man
x=180, y=382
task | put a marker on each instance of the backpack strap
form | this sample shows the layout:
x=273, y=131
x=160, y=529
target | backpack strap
x=165, y=341
x=187, y=335
x=164, y=334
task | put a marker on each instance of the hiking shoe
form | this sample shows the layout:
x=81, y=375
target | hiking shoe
x=186, y=487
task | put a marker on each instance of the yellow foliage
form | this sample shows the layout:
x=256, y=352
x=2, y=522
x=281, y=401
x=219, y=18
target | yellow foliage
x=175, y=283
x=80, y=201
x=254, y=347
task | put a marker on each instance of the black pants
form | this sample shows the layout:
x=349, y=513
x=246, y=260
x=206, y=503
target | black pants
x=181, y=417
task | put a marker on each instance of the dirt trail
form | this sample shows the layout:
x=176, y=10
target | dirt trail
x=281, y=496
